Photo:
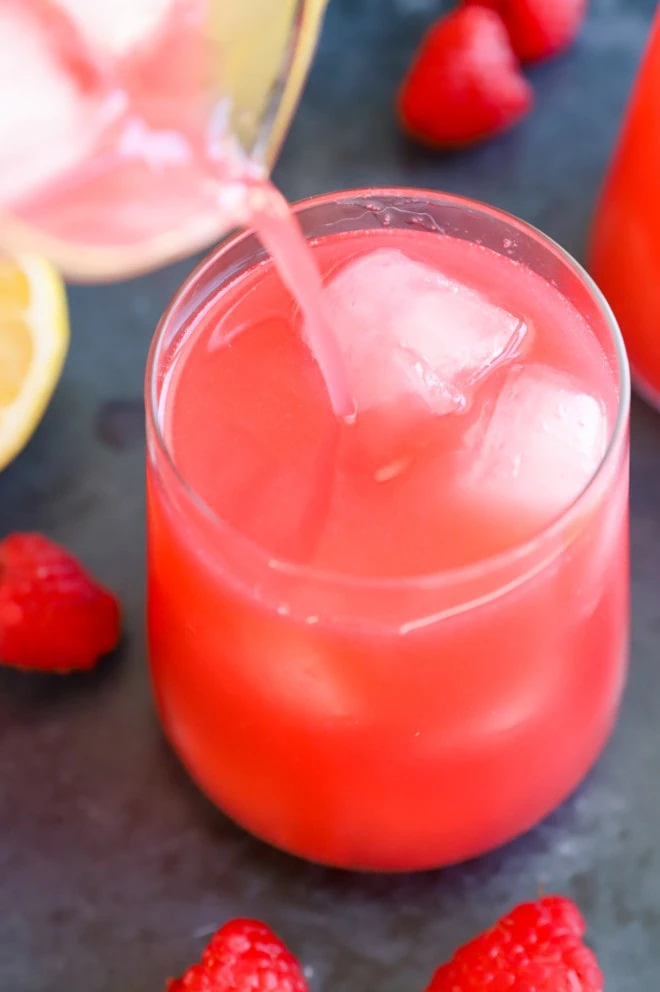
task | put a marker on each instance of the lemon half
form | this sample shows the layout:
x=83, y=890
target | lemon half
x=34, y=336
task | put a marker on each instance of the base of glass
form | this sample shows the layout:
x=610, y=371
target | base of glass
x=395, y=862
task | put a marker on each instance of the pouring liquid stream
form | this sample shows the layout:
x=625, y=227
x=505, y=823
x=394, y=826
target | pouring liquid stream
x=257, y=203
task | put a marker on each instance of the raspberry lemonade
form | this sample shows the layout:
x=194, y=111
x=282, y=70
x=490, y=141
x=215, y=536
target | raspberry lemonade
x=397, y=639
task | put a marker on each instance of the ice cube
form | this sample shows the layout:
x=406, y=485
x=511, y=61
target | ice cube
x=306, y=678
x=542, y=443
x=119, y=26
x=406, y=328
x=46, y=124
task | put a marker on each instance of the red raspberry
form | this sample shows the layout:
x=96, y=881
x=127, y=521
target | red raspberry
x=53, y=616
x=536, y=948
x=464, y=84
x=243, y=956
x=539, y=29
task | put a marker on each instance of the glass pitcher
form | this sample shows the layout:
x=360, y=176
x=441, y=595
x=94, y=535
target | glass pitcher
x=624, y=250
x=107, y=110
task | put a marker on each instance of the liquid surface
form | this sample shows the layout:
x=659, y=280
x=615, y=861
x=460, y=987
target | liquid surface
x=484, y=406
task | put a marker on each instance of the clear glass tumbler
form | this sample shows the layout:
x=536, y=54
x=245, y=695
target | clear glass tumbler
x=388, y=723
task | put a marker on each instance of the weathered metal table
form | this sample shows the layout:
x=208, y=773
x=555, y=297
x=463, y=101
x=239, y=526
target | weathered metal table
x=112, y=867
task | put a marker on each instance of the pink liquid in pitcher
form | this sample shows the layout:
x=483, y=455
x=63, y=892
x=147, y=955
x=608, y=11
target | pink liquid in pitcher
x=114, y=137
x=102, y=140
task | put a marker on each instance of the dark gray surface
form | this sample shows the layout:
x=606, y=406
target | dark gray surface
x=112, y=867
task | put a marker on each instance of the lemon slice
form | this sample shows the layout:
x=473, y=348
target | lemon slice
x=34, y=335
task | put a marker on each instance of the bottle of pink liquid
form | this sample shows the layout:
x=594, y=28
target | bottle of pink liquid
x=624, y=253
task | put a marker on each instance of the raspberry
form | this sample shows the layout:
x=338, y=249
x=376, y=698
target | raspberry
x=536, y=948
x=53, y=616
x=464, y=84
x=243, y=956
x=539, y=29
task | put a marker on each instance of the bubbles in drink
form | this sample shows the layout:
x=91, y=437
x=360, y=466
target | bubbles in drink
x=541, y=445
x=406, y=328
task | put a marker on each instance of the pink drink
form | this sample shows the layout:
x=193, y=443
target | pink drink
x=624, y=250
x=397, y=641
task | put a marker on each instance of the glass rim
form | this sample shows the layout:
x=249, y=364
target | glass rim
x=467, y=573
